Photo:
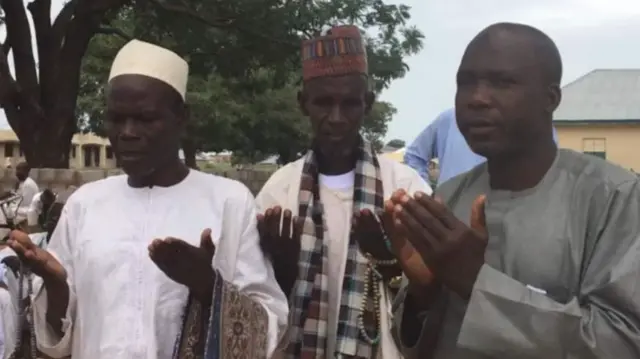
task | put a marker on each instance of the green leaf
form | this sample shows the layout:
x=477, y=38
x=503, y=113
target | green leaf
x=245, y=71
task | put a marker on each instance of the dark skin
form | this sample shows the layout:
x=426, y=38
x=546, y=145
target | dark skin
x=145, y=120
x=52, y=218
x=281, y=244
x=504, y=105
x=336, y=107
x=48, y=199
x=453, y=251
x=505, y=102
x=22, y=171
x=53, y=275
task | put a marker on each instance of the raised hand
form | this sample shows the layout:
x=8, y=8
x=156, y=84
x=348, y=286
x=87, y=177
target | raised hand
x=39, y=261
x=410, y=260
x=186, y=264
x=452, y=250
x=371, y=235
x=373, y=240
x=281, y=244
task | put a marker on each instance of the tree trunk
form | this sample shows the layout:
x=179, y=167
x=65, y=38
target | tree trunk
x=40, y=101
x=44, y=150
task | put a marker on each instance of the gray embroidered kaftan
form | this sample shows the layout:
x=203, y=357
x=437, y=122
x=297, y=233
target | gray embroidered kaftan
x=562, y=272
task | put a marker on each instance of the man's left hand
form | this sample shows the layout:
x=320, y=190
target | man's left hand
x=450, y=248
x=187, y=264
x=370, y=235
x=372, y=239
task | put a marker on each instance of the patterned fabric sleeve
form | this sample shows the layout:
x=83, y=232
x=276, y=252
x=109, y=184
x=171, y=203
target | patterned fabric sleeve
x=234, y=327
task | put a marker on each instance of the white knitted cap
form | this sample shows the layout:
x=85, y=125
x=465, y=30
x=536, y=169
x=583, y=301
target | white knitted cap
x=142, y=58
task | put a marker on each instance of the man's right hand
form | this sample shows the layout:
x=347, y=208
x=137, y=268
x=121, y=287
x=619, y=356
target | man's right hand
x=410, y=260
x=53, y=274
x=281, y=244
x=41, y=262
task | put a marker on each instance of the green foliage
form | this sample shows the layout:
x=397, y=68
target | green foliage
x=396, y=143
x=244, y=64
x=375, y=124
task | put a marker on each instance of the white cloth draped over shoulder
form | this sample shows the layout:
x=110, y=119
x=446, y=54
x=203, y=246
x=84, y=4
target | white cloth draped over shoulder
x=282, y=190
x=122, y=305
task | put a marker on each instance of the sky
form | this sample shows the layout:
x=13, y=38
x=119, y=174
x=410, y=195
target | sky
x=591, y=34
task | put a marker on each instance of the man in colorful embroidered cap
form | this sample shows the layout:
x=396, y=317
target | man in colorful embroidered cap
x=113, y=291
x=339, y=179
x=535, y=253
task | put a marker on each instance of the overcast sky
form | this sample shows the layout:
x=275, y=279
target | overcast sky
x=591, y=34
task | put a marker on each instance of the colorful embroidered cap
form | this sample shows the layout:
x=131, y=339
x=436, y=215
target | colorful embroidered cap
x=340, y=52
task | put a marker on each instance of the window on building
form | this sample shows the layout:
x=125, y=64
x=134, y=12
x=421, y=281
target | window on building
x=595, y=147
x=8, y=149
x=74, y=148
x=109, y=152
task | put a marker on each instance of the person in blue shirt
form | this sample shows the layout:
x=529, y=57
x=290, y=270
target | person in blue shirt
x=442, y=140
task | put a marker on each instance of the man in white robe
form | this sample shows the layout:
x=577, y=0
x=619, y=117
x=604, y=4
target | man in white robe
x=131, y=253
x=339, y=180
x=40, y=204
x=27, y=188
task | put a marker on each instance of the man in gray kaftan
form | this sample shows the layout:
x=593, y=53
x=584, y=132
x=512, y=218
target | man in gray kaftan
x=562, y=272
x=560, y=232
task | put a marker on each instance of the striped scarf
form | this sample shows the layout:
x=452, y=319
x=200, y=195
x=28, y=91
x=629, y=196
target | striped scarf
x=308, y=329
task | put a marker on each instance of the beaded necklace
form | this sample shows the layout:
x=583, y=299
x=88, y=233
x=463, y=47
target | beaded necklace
x=372, y=296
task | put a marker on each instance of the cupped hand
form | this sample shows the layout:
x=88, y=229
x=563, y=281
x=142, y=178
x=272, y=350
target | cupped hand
x=410, y=260
x=450, y=248
x=38, y=260
x=281, y=244
x=186, y=264
x=279, y=233
x=371, y=235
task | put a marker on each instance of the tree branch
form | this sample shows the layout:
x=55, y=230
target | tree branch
x=77, y=8
x=221, y=23
x=8, y=86
x=78, y=31
x=6, y=47
x=113, y=31
x=62, y=20
x=186, y=11
x=11, y=99
x=20, y=33
x=41, y=14
x=102, y=6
